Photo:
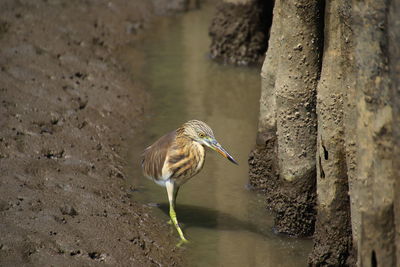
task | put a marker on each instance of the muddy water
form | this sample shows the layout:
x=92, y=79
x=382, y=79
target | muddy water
x=226, y=223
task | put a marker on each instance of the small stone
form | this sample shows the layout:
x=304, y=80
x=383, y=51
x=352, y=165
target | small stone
x=68, y=210
x=4, y=205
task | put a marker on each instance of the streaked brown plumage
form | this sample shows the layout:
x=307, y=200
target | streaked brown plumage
x=177, y=156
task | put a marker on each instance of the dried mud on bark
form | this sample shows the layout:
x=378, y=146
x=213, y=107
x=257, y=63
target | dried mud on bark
x=332, y=246
x=263, y=167
x=289, y=79
x=287, y=200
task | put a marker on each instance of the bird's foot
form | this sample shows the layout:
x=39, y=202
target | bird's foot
x=182, y=242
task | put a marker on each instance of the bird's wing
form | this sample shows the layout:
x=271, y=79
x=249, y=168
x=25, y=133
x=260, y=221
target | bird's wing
x=154, y=156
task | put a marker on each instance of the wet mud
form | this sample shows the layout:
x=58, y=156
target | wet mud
x=239, y=32
x=67, y=110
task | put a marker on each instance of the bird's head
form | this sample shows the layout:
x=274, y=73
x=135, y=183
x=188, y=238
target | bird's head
x=200, y=132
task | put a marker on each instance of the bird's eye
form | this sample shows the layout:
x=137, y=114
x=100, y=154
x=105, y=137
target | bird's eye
x=202, y=135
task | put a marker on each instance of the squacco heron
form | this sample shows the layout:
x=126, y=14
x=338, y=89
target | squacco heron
x=178, y=156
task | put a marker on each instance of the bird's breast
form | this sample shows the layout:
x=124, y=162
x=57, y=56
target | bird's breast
x=185, y=161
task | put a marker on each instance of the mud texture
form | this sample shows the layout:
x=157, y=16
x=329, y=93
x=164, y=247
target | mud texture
x=263, y=168
x=239, y=32
x=66, y=111
x=286, y=199
x=332, y=238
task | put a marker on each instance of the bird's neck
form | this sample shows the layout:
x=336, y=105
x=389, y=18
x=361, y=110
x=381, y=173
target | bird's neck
x=185, y=140
x=183, y=136
x=188, y=144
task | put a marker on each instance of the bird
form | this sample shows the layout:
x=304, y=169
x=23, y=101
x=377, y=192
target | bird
x=178, y=156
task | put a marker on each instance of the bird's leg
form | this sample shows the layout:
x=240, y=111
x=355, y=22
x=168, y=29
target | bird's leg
x=175, y=194
x=172, y=191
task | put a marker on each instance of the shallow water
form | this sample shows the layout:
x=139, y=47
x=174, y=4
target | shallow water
x=226, y=223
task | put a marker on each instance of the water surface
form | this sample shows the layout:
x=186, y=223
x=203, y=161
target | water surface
x=226, y=223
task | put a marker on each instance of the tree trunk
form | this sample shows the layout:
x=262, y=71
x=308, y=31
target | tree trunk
x=296, y=82
x=239, y=31
x=262, y=160
x=332, y=238
x=288, y=97
x=372, y=185
x=358, y=141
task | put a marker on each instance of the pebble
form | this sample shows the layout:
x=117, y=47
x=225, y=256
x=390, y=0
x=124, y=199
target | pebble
x=68, y=210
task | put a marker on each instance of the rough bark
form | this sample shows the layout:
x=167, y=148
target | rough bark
x=239, y=31
x=287, y=124
x=262, y=160
x=394, y=59
x=296, y=82
x=350, y=119
x=372, y=186
x=267, y=118
x=394, y=67
x=358, y=129
x=332, y=238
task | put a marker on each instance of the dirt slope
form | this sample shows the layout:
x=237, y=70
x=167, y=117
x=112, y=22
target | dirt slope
x=66, y=111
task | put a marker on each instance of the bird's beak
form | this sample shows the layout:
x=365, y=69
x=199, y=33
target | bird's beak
x=217, y=147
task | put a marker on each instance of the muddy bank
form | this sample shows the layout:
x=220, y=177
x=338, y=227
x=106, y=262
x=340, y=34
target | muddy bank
x=67, y=108
x=239, y=32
